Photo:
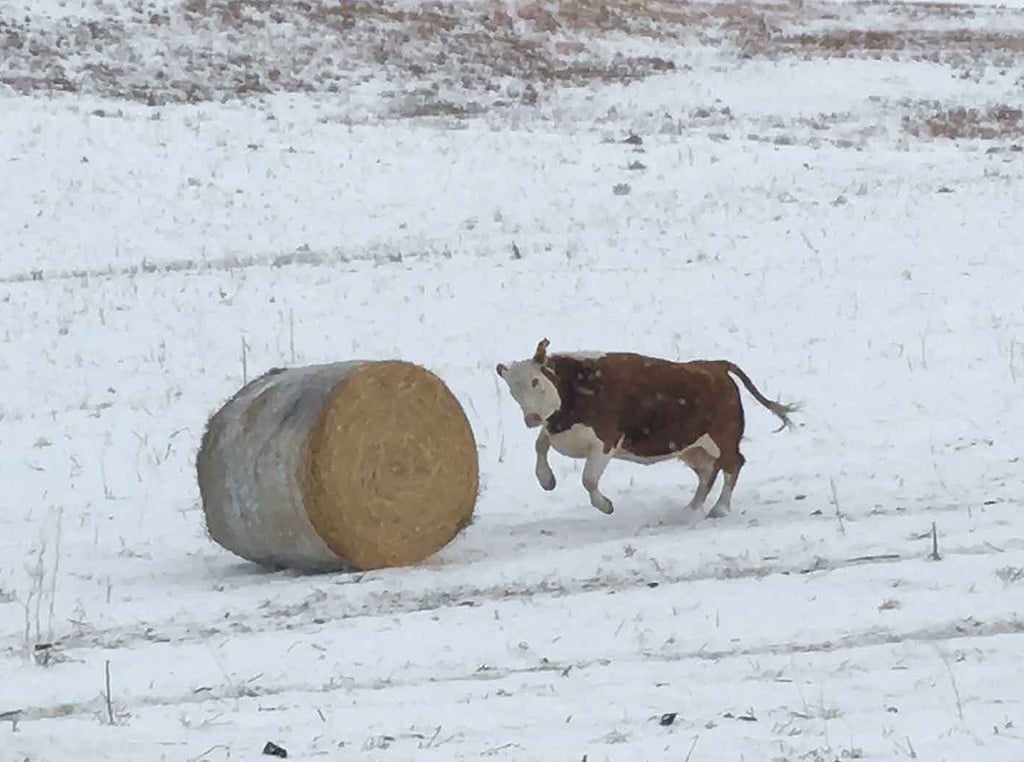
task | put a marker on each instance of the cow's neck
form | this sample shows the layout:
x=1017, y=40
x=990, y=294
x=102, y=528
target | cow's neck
x=563, y=372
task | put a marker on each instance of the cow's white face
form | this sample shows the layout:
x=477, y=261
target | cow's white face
x=532, y=389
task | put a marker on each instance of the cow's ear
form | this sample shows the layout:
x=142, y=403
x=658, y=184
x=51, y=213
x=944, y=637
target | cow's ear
x=542, y=351
x=502, y=369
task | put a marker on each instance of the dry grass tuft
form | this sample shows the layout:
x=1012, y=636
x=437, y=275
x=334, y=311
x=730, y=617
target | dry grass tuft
x=944, y=46
x=1010, y=574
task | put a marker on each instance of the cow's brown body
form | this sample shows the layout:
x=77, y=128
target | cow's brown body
x=643, y=409
x=646, y=407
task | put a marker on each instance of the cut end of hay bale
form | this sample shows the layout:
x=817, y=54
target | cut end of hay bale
x=391, y=470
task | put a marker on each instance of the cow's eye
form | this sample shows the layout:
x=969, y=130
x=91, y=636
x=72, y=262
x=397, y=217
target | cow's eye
x=535, y=382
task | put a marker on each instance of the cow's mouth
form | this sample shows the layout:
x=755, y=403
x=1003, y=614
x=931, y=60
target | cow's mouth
x=533, y=420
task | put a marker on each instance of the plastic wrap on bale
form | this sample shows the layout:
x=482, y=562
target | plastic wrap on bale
x=349, y=465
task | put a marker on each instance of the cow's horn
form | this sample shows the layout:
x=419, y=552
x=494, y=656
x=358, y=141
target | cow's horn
x=542, y=351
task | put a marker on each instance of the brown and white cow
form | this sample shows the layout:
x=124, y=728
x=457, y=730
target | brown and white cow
x=627, y=406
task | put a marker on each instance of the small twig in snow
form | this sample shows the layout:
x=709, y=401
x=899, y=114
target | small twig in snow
x=27, y=606
x=913, y=754
x=799, y=690
x=495, y=749
x=835, y=502
x=53, y=573
x=935, y=556
x=106, y=680
x=952, y=680
x=935, y=467
x=107, y=493
x=692, y=747
x=207, y=752
x=291, y=333
x=873, y=559
x=433, y=738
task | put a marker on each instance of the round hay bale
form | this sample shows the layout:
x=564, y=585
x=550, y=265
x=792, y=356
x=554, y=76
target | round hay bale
x=350, y=465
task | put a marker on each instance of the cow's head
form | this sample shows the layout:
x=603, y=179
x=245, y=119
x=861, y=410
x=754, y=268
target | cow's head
x=531, y=386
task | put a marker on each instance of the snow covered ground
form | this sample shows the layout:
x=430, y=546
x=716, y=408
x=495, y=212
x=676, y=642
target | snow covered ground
x=828, y=194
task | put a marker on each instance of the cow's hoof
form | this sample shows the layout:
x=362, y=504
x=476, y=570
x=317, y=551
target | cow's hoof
x=718, y=512
x=606, y=507
x=548, y=484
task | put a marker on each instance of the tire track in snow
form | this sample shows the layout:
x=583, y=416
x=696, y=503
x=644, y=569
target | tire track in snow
x=336, y=260
x=319, y=609
x=947, y=631
x=333, y=259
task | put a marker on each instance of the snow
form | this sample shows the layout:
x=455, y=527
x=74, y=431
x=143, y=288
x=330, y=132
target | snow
x=780, y=213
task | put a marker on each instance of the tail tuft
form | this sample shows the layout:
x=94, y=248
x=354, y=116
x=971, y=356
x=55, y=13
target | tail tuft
x=782, y=411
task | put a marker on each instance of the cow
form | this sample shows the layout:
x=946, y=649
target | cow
x=625, y=406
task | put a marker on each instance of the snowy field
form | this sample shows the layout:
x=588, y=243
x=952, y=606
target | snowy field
x=829, y=194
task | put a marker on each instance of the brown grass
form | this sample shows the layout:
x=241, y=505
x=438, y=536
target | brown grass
x=938, y=46
x=256, y=50
x=223, y=49
x=997, y=121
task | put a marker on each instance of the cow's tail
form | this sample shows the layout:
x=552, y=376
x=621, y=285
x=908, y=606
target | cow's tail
x=779, y=409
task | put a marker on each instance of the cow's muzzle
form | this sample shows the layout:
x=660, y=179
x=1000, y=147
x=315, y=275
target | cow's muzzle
x=533, y=420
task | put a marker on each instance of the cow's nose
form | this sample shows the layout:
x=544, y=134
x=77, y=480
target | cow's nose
x=533, y=420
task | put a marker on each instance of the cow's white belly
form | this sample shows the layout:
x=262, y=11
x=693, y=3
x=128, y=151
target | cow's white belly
x=620, y=454
x=704, y=442
x=577, y=442
x=580, y=441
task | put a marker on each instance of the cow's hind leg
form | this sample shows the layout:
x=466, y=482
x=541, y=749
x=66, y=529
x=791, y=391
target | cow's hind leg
x=732, y=473
x=597, y=462
x=727, y=432
x=705, y=466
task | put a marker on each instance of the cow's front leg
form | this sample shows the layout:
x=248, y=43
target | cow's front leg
x=597, y=462
x=545, y=475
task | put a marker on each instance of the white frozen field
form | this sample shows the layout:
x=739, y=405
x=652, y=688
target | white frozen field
x=788, y=210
